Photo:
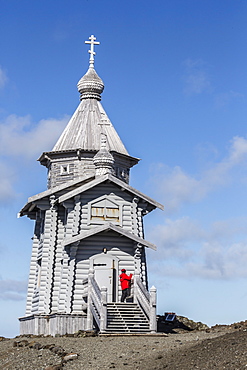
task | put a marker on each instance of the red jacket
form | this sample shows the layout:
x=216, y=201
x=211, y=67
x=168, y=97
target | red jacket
x=125, y=280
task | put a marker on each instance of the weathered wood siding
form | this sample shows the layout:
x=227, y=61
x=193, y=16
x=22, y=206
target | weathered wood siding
x=76, y=168
x=57, y=273
x=36, y=253
x=120, y=247
x=58, y=261
x=131, y=213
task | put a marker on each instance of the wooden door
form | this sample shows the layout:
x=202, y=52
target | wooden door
x=105, y=268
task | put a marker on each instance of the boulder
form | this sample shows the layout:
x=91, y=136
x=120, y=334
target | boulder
x=185, y=323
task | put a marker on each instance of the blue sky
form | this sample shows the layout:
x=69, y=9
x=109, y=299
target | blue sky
x=176, y=92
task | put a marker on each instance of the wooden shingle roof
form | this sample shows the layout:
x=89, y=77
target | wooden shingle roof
x=85, y=127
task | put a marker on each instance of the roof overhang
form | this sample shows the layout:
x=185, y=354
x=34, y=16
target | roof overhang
x=115, y=180
x=76, y=187
x=70, y=185
x=105, y=228
x=47, y=157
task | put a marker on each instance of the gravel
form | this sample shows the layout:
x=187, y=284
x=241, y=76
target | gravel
x=221, y=348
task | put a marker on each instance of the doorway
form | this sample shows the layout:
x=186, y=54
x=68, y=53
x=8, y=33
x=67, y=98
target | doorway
x=105, y=268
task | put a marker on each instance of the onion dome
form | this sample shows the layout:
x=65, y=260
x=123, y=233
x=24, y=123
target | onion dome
x=90, y=85
x=103, y=160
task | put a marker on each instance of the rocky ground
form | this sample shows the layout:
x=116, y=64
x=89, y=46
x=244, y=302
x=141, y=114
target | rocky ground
x=220, y=347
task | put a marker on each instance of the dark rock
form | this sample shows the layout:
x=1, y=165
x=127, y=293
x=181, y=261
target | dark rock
x=180, y=323
x=85, y=333
x=37, y=346
x=58, y=351
x=20, y=343
x=190, y=324
x=49, y=346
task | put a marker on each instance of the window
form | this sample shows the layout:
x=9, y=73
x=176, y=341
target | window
x=64, y=169
x=104, y=209
x=105, y=213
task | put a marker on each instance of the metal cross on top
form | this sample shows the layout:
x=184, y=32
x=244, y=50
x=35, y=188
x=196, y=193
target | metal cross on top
x=92, y=42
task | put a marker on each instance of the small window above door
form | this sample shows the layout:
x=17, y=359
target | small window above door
x=103, y=210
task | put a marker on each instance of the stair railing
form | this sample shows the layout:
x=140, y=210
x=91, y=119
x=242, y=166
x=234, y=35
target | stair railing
x=96, y=304
x=146, y=300
x=103, y=310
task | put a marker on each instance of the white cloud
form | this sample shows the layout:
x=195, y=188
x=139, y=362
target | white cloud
x=19, y=136
x=13, y=290
x=224, y=99
x=176, y=187
x=186, y=249
x=3, y=78
x=7, y=193
x=196, y=77
x=176, y=237
x=220, y=260
x=21, y=140
x=238, y=150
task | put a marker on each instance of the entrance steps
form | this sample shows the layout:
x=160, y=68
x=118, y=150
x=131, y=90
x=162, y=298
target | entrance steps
x=126, y=318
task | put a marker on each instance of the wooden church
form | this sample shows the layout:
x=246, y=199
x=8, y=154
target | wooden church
x=88, y=226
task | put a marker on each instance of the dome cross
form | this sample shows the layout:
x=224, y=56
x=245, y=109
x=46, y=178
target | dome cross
x=92, y=42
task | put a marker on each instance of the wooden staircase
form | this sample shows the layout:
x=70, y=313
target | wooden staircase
x=126, y=318
x=112, y=318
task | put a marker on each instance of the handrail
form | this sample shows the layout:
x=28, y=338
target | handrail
x=96, y=304
x=143, y=289
x=146, y=300
x=96, y=289
x=96, y=301
x=142, y=296
x=95, y=314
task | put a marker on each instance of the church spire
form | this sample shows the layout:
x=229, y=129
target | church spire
x=89, y=144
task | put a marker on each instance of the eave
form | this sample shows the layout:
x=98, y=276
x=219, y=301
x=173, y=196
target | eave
x=80, y=186
x=47, y=157
x=30, y=205
x=108, y=227
x=114, y=180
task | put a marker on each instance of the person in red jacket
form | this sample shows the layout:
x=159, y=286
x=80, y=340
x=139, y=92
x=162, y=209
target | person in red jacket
x=125, y=281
